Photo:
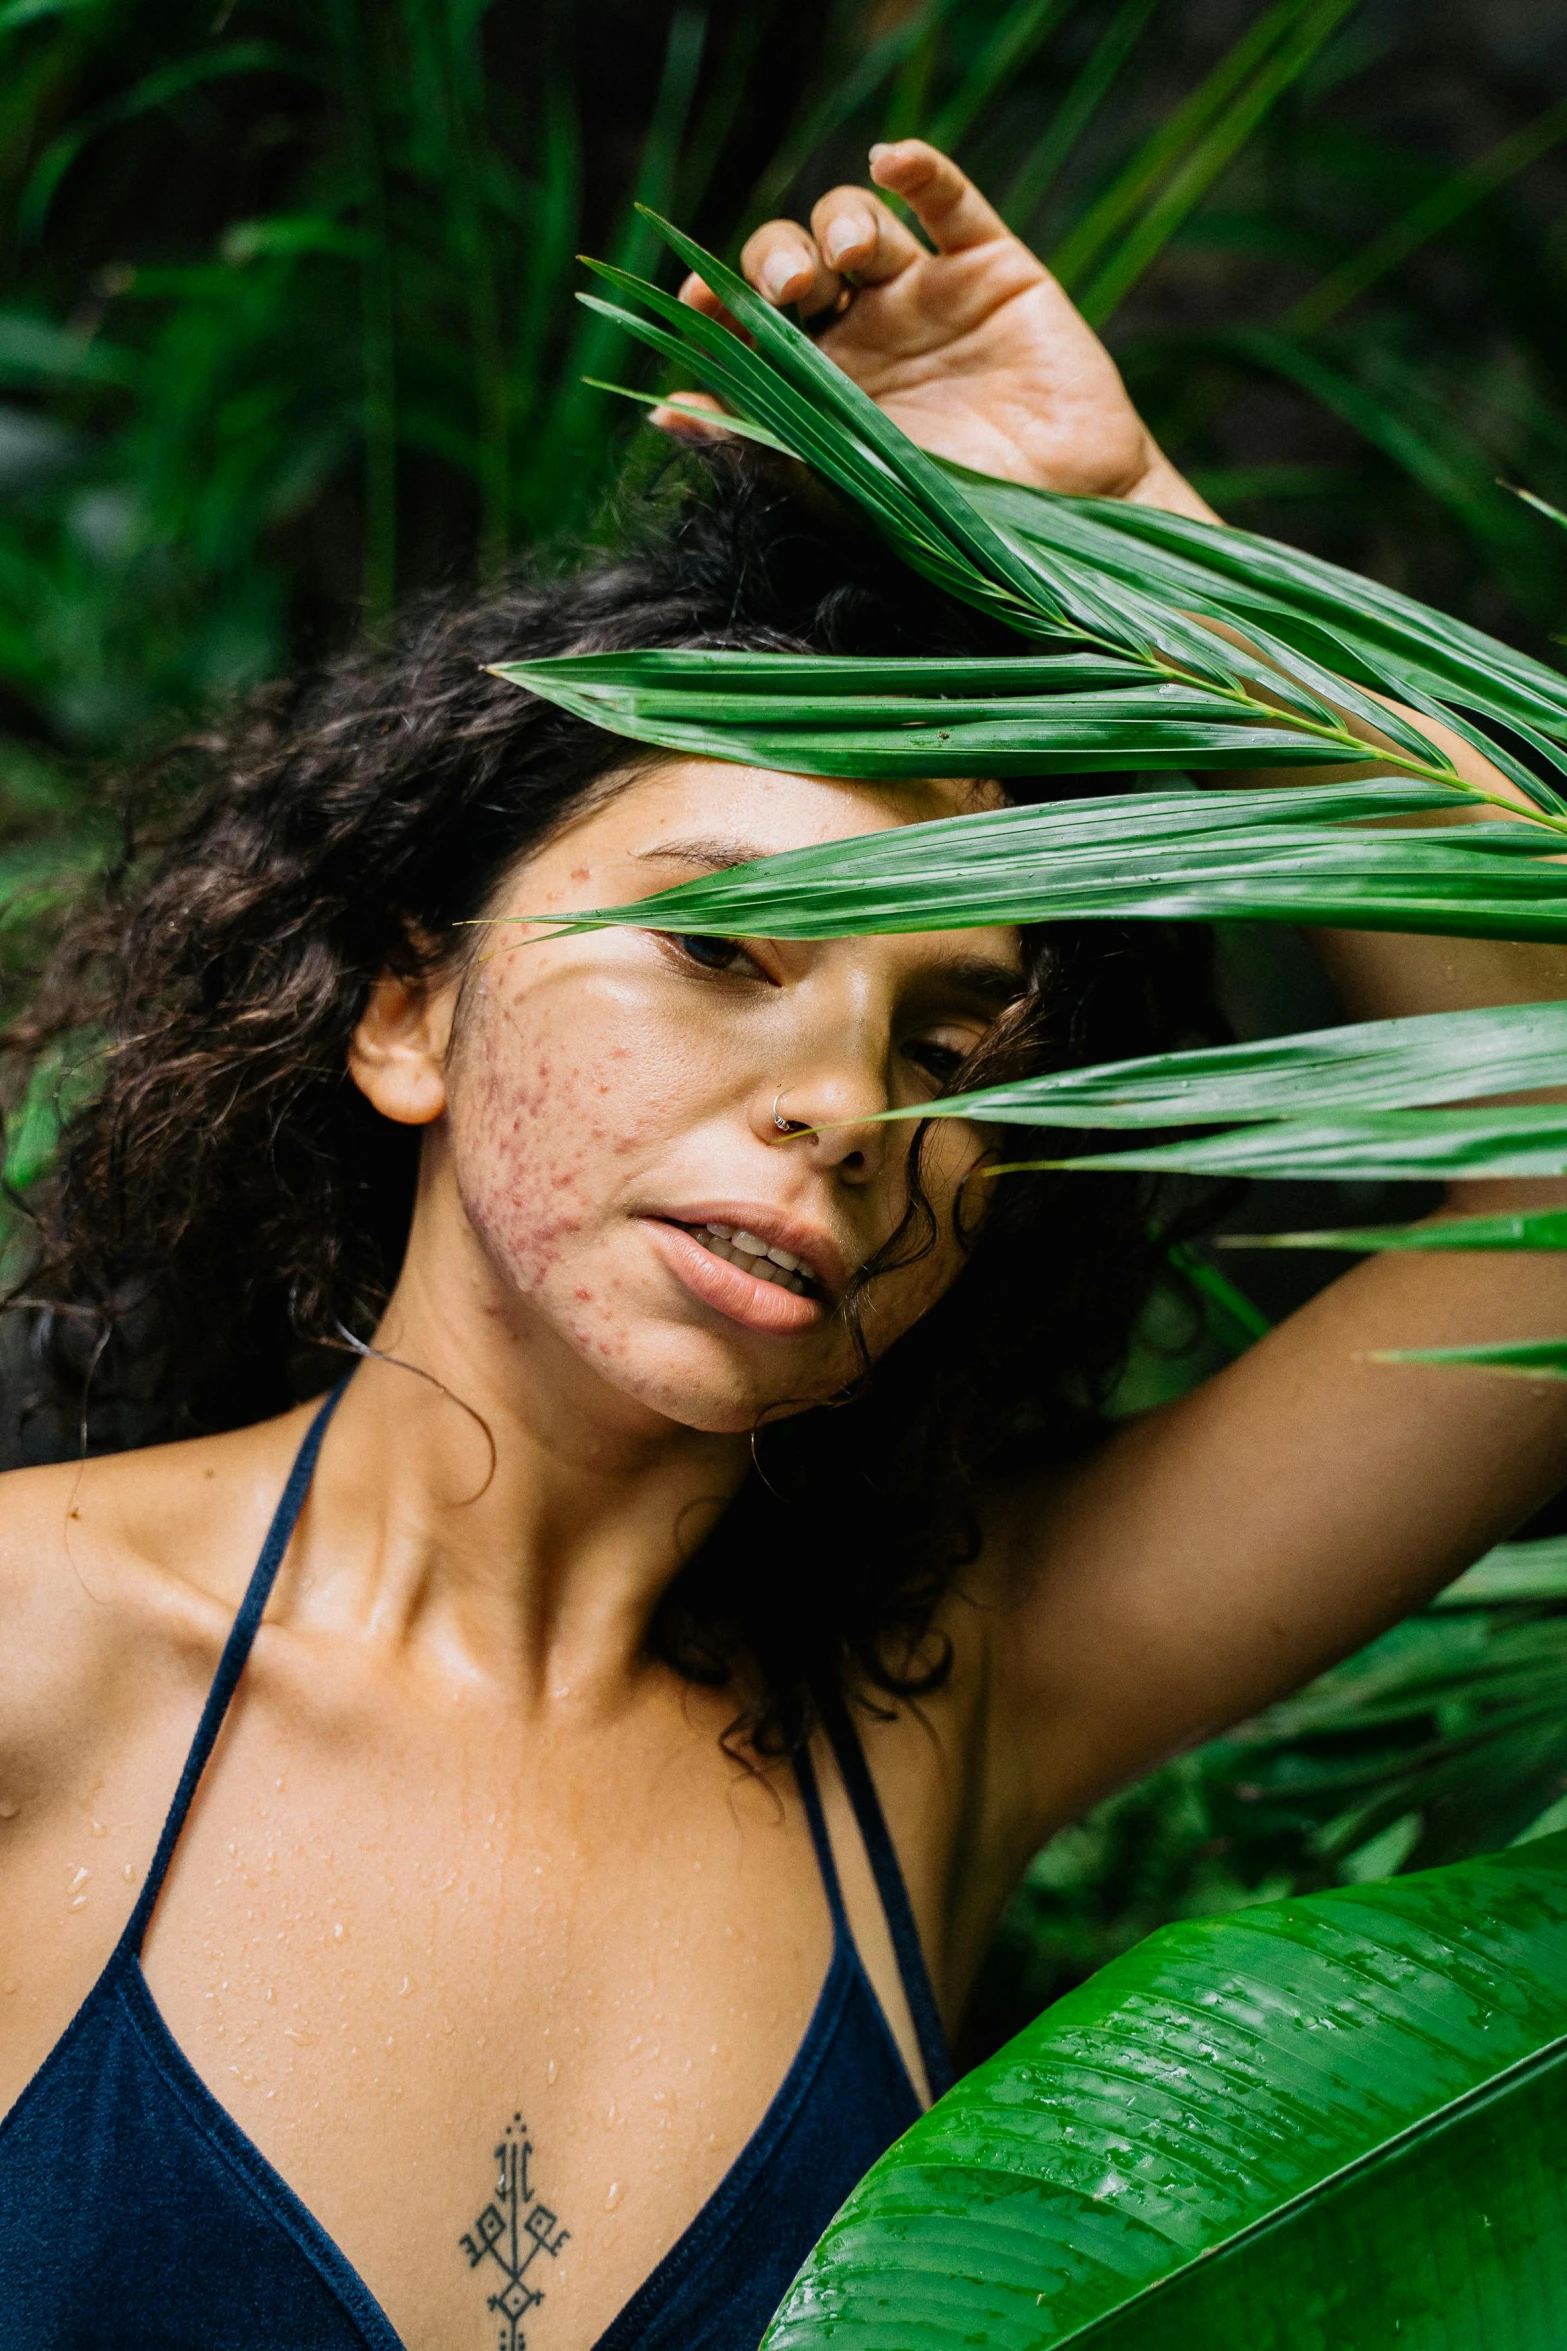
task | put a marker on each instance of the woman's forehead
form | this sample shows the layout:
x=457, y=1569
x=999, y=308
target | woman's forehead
x=715, y=805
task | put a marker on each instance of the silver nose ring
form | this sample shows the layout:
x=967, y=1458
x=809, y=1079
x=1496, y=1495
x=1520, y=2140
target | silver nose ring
x=785, y=1126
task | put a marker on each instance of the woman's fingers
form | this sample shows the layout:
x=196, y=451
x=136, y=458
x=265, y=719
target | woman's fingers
x=944, y=200
x=783, y=264
x=687, y=427
x=698, y=295
x=853, y=234
x=855, y=231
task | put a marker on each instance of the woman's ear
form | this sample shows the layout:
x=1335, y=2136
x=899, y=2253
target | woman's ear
x=398, y=1055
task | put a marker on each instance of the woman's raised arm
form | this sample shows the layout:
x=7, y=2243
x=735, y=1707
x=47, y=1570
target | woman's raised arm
x=1216, y=1553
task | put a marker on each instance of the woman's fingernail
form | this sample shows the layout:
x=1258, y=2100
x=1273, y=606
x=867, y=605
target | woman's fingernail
x=880, y=149
x=842, y=238
x=778, y=274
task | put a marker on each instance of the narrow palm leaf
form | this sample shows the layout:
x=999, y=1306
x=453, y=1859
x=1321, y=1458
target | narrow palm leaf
x=971, y=546
x=1524, y=1228
x=1175, y=856
x=1512, y=1572
x=1388, y=639
x=1526, y=1359
x=1369, y=1065
x=1390, y=1146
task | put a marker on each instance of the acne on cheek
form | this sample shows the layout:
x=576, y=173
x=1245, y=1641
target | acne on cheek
x=528, y=1131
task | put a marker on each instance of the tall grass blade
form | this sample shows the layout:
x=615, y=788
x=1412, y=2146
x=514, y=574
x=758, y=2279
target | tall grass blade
x=1108, y=219
x=1212, y=155
x=1093, y=83
x=1018, y=34
x=1438, y=210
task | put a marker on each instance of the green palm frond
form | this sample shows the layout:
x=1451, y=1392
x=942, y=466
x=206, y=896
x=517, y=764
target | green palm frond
x=1521, y=1228
x=1398, y=1146
x=1178, y=857
x=1272, y=699
x=1363, y=1065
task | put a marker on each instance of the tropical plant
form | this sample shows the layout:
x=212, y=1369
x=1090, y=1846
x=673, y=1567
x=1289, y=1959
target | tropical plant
x=1238, y=2131
x=1332, y=2119
x=285, y=328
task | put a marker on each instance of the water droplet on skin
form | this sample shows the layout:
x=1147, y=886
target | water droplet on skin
x=405, y=1987
x=337, y=1931
x=614, y=2196
x=95, y=1828
x=12, y=1984
x=80, y=1879
x=77, y=1902
x=551, y=2070
x=128, y=1873
x=9, y=1808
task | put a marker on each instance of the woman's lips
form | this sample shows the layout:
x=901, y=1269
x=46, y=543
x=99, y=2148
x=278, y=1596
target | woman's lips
x=760, y=1306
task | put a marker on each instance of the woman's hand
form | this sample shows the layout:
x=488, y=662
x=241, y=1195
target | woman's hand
x=974, y=350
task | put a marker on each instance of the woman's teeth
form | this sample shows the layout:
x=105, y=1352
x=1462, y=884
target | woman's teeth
x=758, y=1258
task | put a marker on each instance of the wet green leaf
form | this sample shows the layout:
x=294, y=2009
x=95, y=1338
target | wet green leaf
x=1322, y=2121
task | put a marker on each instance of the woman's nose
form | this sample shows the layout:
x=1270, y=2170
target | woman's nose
x=831, y=1112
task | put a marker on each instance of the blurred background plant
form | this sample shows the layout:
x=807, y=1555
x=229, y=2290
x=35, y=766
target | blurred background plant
x=286, y=335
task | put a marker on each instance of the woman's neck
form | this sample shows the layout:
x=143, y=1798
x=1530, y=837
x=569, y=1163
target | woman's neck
x=492, y=1508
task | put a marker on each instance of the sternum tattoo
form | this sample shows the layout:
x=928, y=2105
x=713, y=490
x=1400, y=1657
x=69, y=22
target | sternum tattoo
x=512, y=2231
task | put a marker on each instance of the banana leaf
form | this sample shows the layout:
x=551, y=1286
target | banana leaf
x=1325, y=2121
x=1364, y=1065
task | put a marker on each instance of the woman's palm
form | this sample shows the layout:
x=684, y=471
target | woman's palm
x=973, y=349
x=979, y=356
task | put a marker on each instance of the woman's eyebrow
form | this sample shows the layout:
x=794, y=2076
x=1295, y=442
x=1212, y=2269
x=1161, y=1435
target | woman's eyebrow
x=995, y=984
x=715, y=854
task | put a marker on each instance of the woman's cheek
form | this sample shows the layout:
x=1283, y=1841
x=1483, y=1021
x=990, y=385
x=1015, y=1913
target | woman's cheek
x=540, y=1140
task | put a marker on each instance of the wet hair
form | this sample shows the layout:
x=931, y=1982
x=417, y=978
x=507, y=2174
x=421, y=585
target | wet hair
x=226, y=1207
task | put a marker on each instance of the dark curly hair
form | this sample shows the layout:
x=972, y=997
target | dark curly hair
x=226, y=1206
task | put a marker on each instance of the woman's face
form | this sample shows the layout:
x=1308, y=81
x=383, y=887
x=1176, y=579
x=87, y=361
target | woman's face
x=608, y=1133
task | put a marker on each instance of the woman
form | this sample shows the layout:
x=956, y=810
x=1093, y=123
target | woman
x=530, y=1962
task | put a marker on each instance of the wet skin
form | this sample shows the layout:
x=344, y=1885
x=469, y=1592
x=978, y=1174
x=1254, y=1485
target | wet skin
x=607, y=1092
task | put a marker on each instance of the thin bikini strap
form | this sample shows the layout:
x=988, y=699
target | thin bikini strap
x=883, y=1858
x=236, y=1649
x=810, y=1797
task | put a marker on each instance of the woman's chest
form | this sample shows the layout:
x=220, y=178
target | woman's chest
x=502, y=2022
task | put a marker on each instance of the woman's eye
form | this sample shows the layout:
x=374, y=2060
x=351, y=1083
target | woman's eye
x=939, y=1062
x=710, y=954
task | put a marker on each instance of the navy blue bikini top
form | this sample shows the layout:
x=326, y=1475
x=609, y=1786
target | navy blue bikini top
x=134, y=2210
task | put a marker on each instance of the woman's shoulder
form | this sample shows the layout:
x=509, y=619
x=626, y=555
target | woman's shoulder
x=120, y=1573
